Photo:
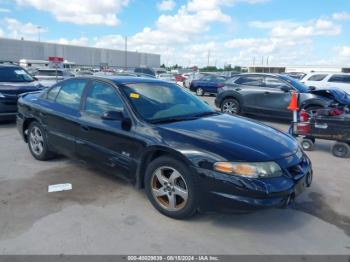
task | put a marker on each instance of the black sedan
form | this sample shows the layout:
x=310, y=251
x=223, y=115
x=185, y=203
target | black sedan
x=162, y=138
x=14, y=81
x=268, y=95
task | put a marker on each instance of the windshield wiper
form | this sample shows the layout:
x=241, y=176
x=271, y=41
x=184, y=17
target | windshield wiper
x=172, y=119
x=203, y=114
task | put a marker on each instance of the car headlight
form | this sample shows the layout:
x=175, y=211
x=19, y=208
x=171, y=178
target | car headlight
x=2, y=96
x=249, y=170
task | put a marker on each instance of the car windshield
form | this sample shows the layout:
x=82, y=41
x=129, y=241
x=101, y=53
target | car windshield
x=164, y=102
x=296, y=84
x=14, y=74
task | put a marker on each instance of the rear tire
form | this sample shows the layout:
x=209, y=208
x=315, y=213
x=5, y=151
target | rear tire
x=37, y=142
x=340, y=149
x=307, y=144
x=231, y=106
x=170, y=187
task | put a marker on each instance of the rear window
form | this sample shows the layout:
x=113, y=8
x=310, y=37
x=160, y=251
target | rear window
x=250, y=80
x=70, y=93
x=340, y=79
x=317, y=77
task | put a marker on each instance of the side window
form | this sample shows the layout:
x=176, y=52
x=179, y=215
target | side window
x=250, y=81
x=317, y=77
x=102, y=97
x=52, y=94
x=340, y=79
x=70, y=93
x=272, y=82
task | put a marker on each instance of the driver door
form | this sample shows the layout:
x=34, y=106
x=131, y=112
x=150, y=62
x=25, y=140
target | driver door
x=105, y=142
x=276, y=97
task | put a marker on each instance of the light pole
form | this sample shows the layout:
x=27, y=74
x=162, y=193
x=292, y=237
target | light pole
x=126, y=53
x=38, y=27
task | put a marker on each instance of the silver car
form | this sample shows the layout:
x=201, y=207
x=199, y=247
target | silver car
x=48, y=77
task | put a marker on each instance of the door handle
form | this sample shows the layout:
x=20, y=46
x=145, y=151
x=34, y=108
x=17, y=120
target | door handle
x=85, y=128
x=266, y=92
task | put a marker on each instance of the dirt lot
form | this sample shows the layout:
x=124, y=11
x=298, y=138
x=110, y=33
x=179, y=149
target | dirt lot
x=105, y=215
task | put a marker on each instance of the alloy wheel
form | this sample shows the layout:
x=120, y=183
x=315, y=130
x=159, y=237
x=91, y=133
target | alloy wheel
x=199, y=92
x=230, y=107
x=169, y=188
x=36, y=140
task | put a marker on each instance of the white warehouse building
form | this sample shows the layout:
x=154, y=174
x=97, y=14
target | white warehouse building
x=14, y=50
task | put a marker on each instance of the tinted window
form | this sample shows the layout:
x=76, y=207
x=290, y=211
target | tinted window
x=272, y=82
x=250, y=80
x=51, y=95
x=70, y=93
x=102, y=98
x=317, y=78
x=14, y=74
x=340, y=79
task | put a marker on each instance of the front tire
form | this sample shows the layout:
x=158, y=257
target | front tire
x=231, y=106
x=37, y=142
x=171, y=189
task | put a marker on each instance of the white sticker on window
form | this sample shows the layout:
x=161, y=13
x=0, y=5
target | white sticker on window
x=20, y=72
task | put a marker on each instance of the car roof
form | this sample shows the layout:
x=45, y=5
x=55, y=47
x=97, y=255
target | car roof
x=257, y=74
x=10, y=65
x=123, y=79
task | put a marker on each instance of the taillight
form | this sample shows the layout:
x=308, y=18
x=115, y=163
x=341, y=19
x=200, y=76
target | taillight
x=304, y=116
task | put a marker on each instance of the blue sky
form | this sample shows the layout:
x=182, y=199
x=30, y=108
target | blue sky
x=183, y=32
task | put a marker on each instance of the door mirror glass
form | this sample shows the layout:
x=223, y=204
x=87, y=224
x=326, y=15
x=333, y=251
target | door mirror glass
x=113, y=115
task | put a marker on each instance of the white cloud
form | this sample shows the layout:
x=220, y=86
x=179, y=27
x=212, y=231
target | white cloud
x=341, y=16
x=82, y=41
x=80, y=11
x=4, y=10
x=289, y=28
x=344, y=52
x=166, y=5
x=16, y=29
x=1, y=33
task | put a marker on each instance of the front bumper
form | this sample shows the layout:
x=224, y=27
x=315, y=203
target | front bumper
x=8, y=108
x=221, y=191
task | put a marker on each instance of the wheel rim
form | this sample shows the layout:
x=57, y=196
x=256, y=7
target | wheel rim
x=36, y=140
x=306, y=145
x=169, y=188
x=230, y=107
x=340, y=150
x=199, y=91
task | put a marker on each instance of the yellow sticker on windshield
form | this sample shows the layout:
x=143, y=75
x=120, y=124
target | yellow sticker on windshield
x=134, y=95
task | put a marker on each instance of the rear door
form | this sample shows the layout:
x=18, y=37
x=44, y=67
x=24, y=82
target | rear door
x=60, y=115
x=274, y=101
x=105, y=142
x=317, y=80
x=251, y=89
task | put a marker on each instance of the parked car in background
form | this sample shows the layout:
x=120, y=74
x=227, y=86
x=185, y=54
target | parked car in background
x=208, y=84
x=156, y=135
x=328, y=80
x=267, y=95
x=167, y=77
x=145, y=70
x=179, y=78
x=49, y=76
x=296, y=75
x=191, y=77
x=14, y=81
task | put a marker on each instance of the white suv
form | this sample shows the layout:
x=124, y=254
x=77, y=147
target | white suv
x=328, y=80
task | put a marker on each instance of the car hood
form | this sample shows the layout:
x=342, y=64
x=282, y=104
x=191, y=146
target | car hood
x=232, y=138
x=335, y=94
x=18, y=88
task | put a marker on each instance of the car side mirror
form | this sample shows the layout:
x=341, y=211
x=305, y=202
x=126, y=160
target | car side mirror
x=285, y=88
x=113, y=115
